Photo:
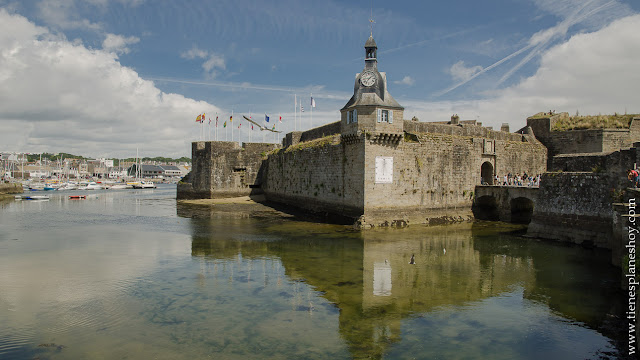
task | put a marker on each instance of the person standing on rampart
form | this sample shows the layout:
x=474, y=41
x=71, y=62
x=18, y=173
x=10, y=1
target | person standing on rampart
x=633, y=175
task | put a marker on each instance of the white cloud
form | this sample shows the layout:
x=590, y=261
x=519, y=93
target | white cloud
x=118, y=44
x=460, y=72
x=57, y=95
x=64, y=14
x=593, y=72
x=213, y=61
x=194, y=53
x=407, y=80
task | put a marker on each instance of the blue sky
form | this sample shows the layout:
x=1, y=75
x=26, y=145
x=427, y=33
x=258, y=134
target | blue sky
x=104, y=77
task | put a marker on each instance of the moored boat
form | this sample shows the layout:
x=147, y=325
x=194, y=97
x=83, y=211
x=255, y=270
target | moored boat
x=144, y=185
x=32, y=197
x=91, y=186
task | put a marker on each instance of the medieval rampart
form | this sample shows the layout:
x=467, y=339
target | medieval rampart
x=323, y=175
x=224, y=169
x=462, y=130
x=582, y=141
x=615, y=164
x=434, y=177
x=574, y=207
x=296, y=137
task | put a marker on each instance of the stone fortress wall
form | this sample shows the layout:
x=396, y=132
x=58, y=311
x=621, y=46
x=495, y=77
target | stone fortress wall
x=224, y=169
x=435, y=171
x=587, y=176
x=435, y=175
x=581, y=141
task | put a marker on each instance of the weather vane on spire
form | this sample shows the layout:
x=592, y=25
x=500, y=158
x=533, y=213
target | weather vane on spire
x=371, y=18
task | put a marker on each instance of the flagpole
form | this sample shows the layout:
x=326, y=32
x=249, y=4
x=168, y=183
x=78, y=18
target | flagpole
x=311, y=105
x=295, y=112
x=231, y=123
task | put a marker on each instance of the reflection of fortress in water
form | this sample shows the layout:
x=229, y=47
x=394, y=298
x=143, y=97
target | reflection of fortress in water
x=369, y=279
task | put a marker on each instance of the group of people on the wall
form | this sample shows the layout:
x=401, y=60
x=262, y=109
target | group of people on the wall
x=514, y=180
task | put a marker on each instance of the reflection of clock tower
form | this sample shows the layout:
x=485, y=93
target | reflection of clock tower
x=372, y=109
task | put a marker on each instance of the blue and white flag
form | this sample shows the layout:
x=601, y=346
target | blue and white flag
x=266, y=118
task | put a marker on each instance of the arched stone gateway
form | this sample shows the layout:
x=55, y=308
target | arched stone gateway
x=521, y=210
x=486, y=172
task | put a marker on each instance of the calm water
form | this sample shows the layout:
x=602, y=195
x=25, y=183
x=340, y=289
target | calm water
x=128, y=275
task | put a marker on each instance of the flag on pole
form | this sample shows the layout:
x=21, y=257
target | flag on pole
x=280, y=119
x=251, y=126
x=199, y=118
x=266, y=118
x=225, y=124
x=216, y=120
x=203, y=118
x=230, y=118
x=209, y=121
x=301, y=107
x=274, y=127
x=313, y=102
x=239, y=125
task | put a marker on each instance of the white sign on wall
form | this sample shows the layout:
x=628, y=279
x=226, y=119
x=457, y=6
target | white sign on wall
x=384, y=169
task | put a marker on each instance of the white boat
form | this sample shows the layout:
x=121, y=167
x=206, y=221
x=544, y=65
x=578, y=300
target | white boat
x=68, y=186
x=91, y=186
x=32, y=197
x=36, y=187
x=145, y=185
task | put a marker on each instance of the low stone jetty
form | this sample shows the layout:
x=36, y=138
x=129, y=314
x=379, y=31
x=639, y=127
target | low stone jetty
x=10, y=188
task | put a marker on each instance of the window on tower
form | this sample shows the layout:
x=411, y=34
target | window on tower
x=385, y=116
x=352, y=116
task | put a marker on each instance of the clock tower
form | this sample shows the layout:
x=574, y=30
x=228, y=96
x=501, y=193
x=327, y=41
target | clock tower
x=372, y=109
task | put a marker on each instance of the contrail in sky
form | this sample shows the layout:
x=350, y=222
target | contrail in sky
x=314, y=89
x=563, y=26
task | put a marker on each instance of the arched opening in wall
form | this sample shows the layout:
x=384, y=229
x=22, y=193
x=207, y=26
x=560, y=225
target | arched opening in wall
x=521, y=210
x=486, y=208
x=486, y=172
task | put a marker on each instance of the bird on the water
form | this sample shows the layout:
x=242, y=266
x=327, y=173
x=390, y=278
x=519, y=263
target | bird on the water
x=413, y=260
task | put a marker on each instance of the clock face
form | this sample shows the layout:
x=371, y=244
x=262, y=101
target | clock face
x=368, y=78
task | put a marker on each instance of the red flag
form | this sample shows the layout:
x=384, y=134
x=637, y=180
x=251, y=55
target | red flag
x=280, y=119
x=199, y=118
